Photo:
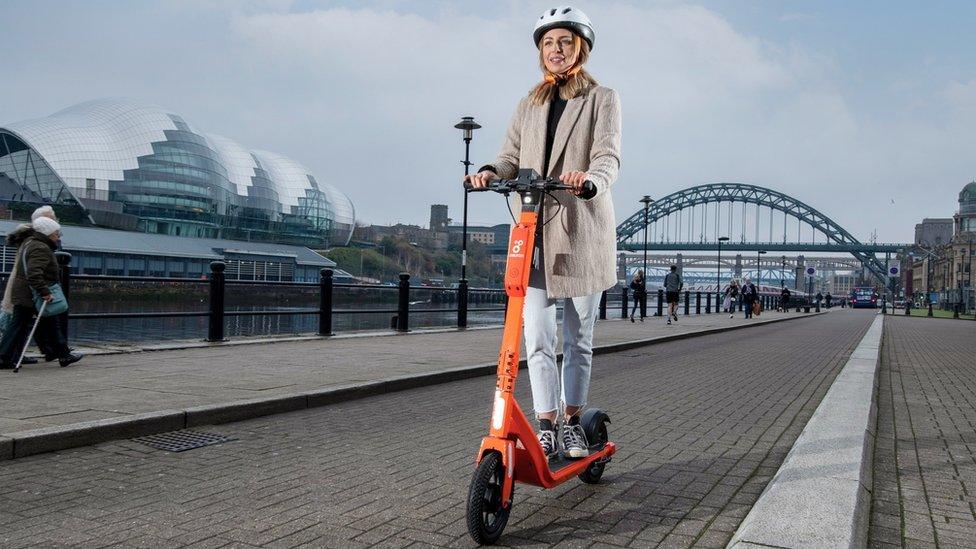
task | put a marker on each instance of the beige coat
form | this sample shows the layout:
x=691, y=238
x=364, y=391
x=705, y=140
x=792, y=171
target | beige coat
x=581, y=241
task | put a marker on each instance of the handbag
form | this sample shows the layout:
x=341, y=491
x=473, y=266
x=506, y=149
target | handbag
x=58, y=305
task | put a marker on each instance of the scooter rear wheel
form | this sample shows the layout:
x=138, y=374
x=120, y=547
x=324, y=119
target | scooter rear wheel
x=486, y=515
x=595, y=426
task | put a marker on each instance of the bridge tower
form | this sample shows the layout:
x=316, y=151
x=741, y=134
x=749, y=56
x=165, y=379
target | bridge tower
x=679, y=261
x=738, y=266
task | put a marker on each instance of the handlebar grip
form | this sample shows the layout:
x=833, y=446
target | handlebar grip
x=468, y=187
x=589, y=190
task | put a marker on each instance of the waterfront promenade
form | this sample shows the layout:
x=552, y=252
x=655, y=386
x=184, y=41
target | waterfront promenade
x=209, y=378
x=702, y=423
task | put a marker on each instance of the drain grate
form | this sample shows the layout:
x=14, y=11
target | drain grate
x=181, y=441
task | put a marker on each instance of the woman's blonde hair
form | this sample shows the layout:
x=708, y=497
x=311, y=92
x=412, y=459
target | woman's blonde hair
x=573, y=82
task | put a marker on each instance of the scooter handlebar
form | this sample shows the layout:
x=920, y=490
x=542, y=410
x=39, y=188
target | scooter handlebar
x=506, y=186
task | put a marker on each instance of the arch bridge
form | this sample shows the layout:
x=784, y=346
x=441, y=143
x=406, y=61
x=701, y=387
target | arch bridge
x=694, y=218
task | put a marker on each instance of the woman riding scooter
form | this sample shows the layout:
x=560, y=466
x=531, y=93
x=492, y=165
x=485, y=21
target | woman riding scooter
x=567, y=127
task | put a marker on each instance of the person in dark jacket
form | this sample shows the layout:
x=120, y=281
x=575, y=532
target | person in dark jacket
x=828, y=298
x=784, y=299
x=37, y=270
x=639, y=293
x=749, y=295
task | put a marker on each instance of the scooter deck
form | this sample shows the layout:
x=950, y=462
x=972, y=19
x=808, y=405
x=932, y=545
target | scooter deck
x=559, y=461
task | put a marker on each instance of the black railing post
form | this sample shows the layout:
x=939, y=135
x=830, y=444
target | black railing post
x=718, y=299
x=660, y=299
x=623, y=302
x=216, y=328
x=687, y=302
x=462, y=301
x=708, y=303
x=64, y=261
x=603, y=305
x=325, y=302
x=697, y=303
x=403, y=307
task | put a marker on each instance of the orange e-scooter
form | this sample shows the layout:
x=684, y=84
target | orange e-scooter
x=511, y=452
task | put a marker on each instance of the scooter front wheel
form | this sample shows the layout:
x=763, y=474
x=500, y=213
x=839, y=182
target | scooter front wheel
x=486, y=515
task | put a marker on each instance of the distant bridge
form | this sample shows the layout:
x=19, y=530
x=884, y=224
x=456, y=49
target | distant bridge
x=693, y=219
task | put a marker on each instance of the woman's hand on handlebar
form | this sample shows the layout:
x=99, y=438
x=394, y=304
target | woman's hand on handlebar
x=575, y=179
x=480, y=180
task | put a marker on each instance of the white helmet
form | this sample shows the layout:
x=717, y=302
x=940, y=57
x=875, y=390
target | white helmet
x=564, y=17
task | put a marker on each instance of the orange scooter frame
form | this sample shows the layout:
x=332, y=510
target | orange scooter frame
x=510, y=435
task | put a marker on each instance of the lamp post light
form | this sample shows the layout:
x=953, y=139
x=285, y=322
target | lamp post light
x=467, y=125
x=646, y=201
x=718, y=276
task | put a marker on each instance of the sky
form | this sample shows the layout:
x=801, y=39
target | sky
x=864, y=110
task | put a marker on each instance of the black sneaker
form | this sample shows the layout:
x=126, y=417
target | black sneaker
x=548, y=441
x=574, y=441
x=675, y=315
x=70, y=359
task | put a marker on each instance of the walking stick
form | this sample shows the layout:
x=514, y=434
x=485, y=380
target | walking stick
x=30, y=336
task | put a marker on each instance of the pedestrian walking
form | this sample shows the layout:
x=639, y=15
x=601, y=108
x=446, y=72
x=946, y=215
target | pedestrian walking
x=731, y=297
x=34, y=280
x=672, y=290
x=784, y=299
x=827, y=299
x=749, y=295
x=640, y=294
x=818, y=298
x=14, y=239
x=567, y=127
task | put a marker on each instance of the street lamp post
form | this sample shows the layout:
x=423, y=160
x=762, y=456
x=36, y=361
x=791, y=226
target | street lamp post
x=646, y=201
x=969, y=268
x=718, y=275
x=467, y=125
x=759, y=255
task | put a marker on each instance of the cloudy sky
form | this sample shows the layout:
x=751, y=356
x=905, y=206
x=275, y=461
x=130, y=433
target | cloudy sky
x=866, y=110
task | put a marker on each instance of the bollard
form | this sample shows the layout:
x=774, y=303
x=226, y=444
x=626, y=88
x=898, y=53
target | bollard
x=955, y=311
x=660, y=300
x=325, y=302
x=908, y=308
x=623, y=302
x=687, y=302
x=462, y=303
x=708, y=303
x=403, y=306
x=603, y=305
x=64, y=261
x=697, y=303
x=215, y=330
x=930, y=309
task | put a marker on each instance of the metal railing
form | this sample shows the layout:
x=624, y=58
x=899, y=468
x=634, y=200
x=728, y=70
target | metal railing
x=217, y=290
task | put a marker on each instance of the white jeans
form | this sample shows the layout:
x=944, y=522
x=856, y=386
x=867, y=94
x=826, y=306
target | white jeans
x=579, y=316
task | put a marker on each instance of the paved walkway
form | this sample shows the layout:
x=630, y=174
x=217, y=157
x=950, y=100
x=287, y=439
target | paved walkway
x=925, y=456
x=702, y=425
x=111, y=386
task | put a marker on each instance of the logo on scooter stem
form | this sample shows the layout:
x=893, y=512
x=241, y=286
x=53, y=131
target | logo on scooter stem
x=516, y=250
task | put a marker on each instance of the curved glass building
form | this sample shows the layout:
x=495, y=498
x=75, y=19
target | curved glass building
x=118, y=164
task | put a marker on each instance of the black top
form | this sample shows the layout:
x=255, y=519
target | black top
x=556, y=108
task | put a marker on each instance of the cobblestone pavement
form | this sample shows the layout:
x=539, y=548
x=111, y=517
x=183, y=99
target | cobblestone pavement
x=702, y=424
x=925, y=456
x=114, y=386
